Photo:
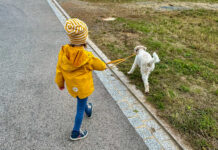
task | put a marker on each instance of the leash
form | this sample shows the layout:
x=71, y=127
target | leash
x=118, y=61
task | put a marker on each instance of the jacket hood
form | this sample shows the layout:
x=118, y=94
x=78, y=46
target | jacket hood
x=73, y=57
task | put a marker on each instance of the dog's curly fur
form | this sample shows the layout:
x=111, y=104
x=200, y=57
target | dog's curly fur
x=146, y=63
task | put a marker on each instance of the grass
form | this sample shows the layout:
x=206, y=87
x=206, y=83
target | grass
x=184, y=85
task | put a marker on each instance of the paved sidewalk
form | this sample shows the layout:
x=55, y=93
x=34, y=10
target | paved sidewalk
x=34, y=113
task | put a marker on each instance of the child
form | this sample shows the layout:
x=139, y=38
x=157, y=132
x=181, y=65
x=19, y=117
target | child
x=74, y=67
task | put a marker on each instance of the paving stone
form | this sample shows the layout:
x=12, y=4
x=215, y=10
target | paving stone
x=169, y=145
x=153, y=144
x=161, y=135
x=100, y=75
x=123, y=105
x=114, y=92
x=124, y=93
x=106, y=82
x=136, y=122
x=144, y=132
x=115, y=95
x=138, y=107
x=129, y=113
x=131, y=100
x=152, y=124
x=112, y=78
x=144, y=115
x=109, y=88
x=119, y=86
x=103, y=72
x=108, y=73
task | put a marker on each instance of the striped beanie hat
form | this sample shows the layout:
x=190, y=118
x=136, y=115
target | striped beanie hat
x=77, y=31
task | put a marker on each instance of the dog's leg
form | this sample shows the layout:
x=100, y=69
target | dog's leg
x=133, y=66
x=145, y=76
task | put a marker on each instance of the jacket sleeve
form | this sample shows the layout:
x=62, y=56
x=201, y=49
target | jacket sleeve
x=97, y=64
x=59, y=79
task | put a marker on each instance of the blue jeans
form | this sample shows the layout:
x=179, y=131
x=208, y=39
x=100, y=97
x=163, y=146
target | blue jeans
x=81, y=108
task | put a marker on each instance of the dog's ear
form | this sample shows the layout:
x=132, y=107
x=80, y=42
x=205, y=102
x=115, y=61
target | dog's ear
x=137, y=48
x=145, y=48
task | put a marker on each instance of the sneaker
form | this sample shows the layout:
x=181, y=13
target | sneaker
x=90, y=107
x=75, y=135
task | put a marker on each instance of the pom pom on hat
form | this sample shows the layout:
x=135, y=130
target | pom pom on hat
x=77, y=31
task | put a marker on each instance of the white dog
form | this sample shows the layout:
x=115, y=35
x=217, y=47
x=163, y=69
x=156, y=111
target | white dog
x=146, y=63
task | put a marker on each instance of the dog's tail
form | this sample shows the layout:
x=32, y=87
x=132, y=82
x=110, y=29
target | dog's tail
x=155, y=58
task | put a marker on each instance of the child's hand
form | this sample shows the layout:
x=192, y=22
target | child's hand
x=61, y=88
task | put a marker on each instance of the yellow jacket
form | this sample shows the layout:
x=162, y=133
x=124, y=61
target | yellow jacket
x=75, y=66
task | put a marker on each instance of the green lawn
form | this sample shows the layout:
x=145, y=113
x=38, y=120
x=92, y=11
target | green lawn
x=183, y=86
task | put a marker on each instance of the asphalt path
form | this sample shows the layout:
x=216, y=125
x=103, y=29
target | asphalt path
x=34, y=114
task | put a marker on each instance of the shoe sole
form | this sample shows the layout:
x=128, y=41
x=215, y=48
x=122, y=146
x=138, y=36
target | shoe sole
x=76, y=139
x=92, y=112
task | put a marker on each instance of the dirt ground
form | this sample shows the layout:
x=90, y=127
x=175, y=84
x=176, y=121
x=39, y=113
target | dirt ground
x=110, y=9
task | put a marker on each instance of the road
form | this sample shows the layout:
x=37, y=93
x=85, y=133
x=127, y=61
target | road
x=34, y=114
